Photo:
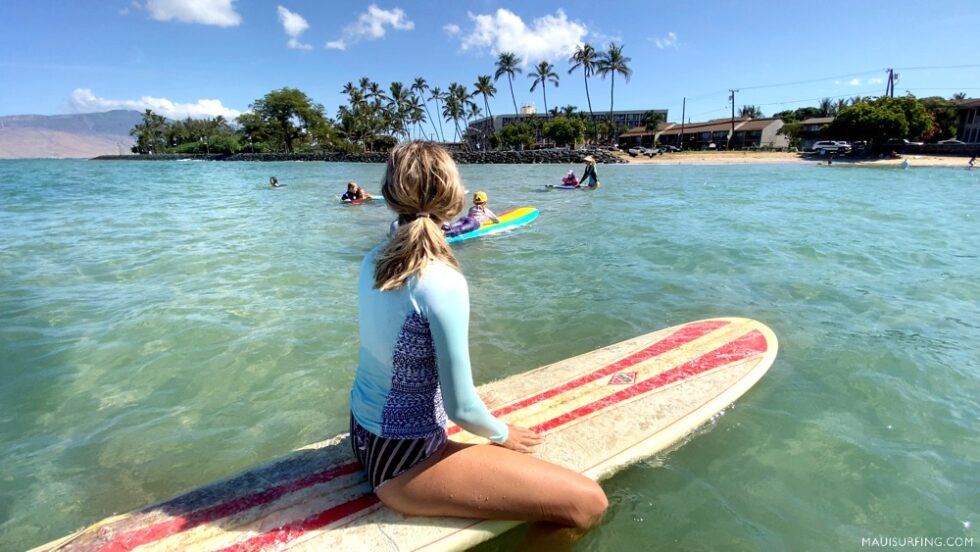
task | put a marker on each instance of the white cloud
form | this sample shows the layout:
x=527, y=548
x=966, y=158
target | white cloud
x=205, y=12
x=669, y=41
x=294, y=24
x=452, y=29
x=84, y=101
x=876, y=80
x=547, y=38
x=370, y=25
x=855, y=82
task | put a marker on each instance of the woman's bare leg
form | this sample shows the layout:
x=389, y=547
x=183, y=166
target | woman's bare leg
x=491, y=482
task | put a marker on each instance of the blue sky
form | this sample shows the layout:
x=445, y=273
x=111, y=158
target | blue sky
x=205, y=57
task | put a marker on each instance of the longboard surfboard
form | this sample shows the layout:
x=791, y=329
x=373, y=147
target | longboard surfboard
x=508, y=219
x=599, y=411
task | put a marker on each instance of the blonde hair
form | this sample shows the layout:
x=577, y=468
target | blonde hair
x=423, y=186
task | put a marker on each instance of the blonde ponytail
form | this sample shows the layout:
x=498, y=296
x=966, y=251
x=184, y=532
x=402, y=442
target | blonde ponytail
x=423, y=186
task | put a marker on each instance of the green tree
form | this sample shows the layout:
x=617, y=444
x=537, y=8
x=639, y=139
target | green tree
x=792, y=131
x=542, y=74
x=150, y=134
x=610, y=63
x=517, y=135
x=585, y=57
x=878, y=120
x=750, y=111
x=508, y=64
x=484, y=86
x=944, y=119
x=289, y=117
x=420, y=87
x=565, y=131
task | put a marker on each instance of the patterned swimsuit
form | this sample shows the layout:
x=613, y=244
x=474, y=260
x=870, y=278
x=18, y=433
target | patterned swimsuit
x=414, y=349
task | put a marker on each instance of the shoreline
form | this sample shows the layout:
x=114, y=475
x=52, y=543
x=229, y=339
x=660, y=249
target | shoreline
x=781, y=158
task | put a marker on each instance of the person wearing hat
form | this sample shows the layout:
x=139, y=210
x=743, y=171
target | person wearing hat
x=589, y=175
x=478, y=214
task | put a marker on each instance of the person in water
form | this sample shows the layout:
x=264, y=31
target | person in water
x=589, y=175
x=570, y=179
x=414, y=372
x=973, y=161
x=274, y=182
x=478, y=214
x=355, y=192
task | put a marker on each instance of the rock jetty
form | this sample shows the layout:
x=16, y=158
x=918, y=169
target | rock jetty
x=542, y=156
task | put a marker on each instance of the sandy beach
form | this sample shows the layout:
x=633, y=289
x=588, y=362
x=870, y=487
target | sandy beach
x=776, y=157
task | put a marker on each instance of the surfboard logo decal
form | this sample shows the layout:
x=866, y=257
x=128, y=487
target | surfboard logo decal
x=623, y=378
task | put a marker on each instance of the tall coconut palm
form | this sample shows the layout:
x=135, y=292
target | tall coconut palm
x=585, y=57
x=840, y=105
x=568, y=110
x=609, y=63
x=855, y=100
x=484, y=85
x=454, y=108
x=420, y=87
x=826, y=107
x=508, y=64
x=415, y=113
x=750, y=111
x=541, y=74
x=437, y=95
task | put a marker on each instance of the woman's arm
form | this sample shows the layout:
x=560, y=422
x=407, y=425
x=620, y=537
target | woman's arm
x=444, y=299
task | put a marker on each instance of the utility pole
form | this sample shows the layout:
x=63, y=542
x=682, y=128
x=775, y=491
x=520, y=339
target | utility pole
x=731, y=136
x=890, y=87
x=683, y=113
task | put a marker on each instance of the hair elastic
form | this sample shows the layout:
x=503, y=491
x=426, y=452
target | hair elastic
x=422, y=214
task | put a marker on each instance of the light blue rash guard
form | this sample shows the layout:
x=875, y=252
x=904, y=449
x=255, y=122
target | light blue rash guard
x=414, y=359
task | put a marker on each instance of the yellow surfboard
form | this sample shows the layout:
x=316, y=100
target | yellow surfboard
x=600, y=411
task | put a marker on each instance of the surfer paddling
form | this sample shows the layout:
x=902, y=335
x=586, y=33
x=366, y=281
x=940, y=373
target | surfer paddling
x=414, y=371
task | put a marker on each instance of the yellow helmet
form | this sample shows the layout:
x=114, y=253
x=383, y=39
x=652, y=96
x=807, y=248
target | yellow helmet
x=480, y=197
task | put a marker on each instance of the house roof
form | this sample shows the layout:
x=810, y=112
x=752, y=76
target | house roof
x=817, y=121
x=968, y=103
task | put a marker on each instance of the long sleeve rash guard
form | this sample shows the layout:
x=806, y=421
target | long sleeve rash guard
x=414, y=358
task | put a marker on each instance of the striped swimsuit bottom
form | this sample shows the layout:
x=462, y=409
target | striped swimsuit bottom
x=384, y=459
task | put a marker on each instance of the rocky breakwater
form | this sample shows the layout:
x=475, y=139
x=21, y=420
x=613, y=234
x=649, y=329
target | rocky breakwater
x=554, y=155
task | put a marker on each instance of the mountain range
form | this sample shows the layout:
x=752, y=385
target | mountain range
x=81, y=135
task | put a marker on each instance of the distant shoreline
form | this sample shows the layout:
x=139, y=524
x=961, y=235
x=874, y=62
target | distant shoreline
x=531, y=157
x=775, y=157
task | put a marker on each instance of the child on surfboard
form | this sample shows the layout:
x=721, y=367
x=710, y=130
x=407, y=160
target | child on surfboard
x=414, y=372
x=478, y=214
x=354, y=193
x=570, y=179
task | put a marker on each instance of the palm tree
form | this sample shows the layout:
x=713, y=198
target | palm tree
x=840, y=105
x=542, y=74
x=484, y=85
x=420, y=87
x=958, y=96
x=455, y=107
x=750, y=111
x=437, y=95
x=507, y=64
x=855, y=100
x=610, y=63
x=415, y=113
x=585, y=56
x=826, y=107
x=568, y=110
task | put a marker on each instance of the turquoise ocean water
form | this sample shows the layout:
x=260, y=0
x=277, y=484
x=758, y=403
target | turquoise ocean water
x=165, y=324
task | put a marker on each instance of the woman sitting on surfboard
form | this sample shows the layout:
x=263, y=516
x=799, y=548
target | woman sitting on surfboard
x=355, y=192
x=414, y=371
x=478, y=214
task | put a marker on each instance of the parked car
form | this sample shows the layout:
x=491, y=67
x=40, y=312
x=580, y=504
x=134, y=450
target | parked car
x=951, y=141
x=669, y=148
x=831, y=146
x=638, y=150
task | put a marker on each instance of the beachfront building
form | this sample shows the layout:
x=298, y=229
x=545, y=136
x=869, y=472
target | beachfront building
x=749, y=133
x=811, y=131
x=968, y=129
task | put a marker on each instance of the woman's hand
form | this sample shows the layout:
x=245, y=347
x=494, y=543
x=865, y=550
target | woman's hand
x=521, y=439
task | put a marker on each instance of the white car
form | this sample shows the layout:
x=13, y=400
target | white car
x=831, y=146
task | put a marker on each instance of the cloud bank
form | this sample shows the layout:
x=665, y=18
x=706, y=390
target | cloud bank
x=84, y=101
x=204, y=12
x=547, y=38
x=294, y=24
x=371, y=25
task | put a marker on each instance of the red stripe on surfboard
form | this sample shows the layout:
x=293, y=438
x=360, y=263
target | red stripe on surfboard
x=748, y=345
x=681, y=337
x=139, y=537
x=129, y=540
x=292, y=531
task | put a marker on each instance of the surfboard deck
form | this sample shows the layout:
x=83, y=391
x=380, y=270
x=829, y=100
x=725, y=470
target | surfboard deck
x=508, y=219
x=599, y=411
